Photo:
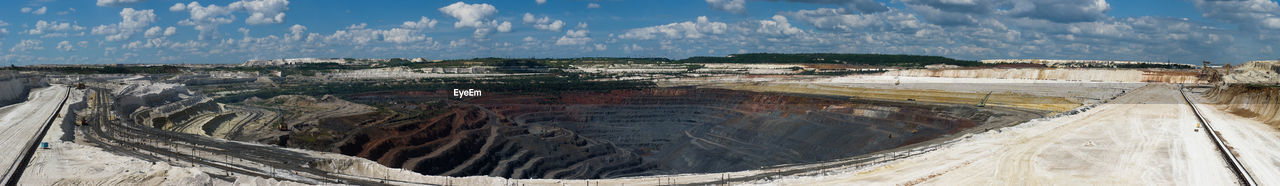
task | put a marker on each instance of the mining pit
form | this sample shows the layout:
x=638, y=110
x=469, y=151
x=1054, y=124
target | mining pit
x=623, y=133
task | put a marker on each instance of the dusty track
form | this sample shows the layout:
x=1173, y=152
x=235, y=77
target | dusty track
x=1227, y=152
x=19, y=165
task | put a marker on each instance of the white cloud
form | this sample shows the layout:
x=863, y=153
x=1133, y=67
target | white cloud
x=296, y=32
x=360, y=34
x=504, y=27
x=423, y=23
x=735, y=6
x=476, y=16
x=400, y=35
x=178, y=7
x=575, y=37
x=117, y=2
x=68, y=11
x=27, y=45
x=1247, y=13
x=65, y=46
x=1061, y=11
x=544, y=23
x=840, y=19
x=43, y=27
x=469, y=15
x=2, y=23
x=132, y=21
x=693, y=30
x=170, y=31
x=39, y=11
x=262, y=11
x=593, y=5
x=540, y=2
x=157, y=31
x=206, y=19
x=778, y=26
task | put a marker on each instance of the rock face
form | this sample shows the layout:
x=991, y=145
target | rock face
x=14, y=86
x=1261, y=103
x=1123, y=75
x=648, y=132
x=1261, y=72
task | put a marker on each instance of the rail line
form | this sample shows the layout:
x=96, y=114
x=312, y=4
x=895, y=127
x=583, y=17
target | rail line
x=20, y=163
x=1245, y=178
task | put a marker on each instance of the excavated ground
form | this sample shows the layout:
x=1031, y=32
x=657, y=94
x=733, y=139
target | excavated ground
x=644, y=132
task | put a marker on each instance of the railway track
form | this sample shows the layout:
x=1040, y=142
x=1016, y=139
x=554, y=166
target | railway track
x=20, y=164
x=1236, y=167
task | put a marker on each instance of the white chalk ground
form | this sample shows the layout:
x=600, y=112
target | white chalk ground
x=21, y=121
x=1142, y=138
x=69, y=163
x=1257, y=146
x=1083, y=91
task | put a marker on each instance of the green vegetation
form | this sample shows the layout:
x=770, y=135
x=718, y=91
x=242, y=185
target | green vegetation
x=825, y=58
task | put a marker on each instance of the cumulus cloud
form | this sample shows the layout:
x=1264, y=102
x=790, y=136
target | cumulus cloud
x=423, y=23
x=735, y=6
x=296, y=32
x=360, y=34
x=593, y=5
x=574, y=37
x=469, y=15
x=27, y=45
x=206, y=19
x=1247, y=13
x=544, y=23
x=476, y=16
x=2, y=23
x=262, y=11
x=540, y=2
x=688, y=29
x=778, y=26
x=117, y=2
x=43, y=27
x=843, y=20
x=132, y=21
x=65, y=46
x=157, y=31
x=39, y=11
x=865, y=6
x=1062, y=11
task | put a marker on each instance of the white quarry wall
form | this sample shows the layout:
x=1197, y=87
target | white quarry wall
x=12, y=91
x=1099, y=75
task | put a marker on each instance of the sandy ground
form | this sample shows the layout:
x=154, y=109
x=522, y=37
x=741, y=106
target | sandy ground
x=23, y=120
x=1256, y=145
x=1141, y=138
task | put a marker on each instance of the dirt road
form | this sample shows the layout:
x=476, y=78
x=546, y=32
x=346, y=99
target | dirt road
x=21, y=122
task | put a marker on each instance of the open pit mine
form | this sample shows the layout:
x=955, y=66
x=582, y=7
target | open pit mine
x=825, y=119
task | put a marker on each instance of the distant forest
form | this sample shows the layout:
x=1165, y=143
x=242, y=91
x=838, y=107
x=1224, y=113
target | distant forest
x=827, y=58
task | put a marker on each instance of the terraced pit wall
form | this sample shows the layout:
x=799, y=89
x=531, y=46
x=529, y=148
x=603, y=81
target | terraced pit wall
x=626, y=133
x=1258, y=102
x=1096, y=75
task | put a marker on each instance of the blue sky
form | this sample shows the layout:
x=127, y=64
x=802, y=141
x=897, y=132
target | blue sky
x=227, y=31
